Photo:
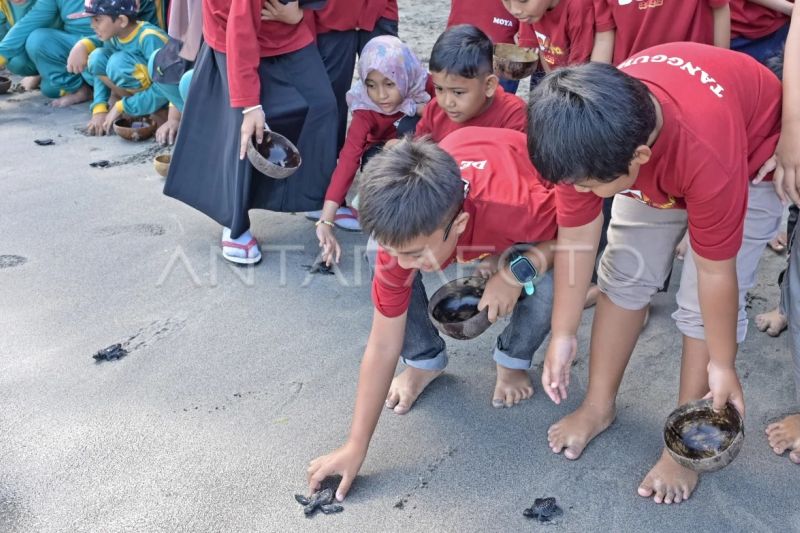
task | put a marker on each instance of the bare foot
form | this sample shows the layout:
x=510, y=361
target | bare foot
x=680, y=250
x=778, y=244
x=407, y=387
x=785, y=435
x=773, y=322
x=573, y=432
x=668, y=482
x=591, y=296
x=512, y=387
x=29, y=83
x=81, y=95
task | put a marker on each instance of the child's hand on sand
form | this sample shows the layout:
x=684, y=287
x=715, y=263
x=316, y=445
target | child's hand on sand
x=500, y=295
x=287, y=13
x=167, y=132
x=108, y=123
x=725, y=387
x=346, y=461
x=331, y=250
x=78, y=59
x=96, y=125
x=561, y=353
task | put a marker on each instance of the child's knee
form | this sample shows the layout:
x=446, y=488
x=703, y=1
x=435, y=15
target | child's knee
x=125, y=72
x=37, y=42
x=97, y=63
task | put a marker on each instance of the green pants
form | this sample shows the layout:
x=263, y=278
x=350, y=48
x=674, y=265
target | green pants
x=123, y=70
x=22, y=65
x=49, y=49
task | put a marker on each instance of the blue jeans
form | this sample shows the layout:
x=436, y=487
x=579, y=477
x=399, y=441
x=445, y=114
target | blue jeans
x=425, y=349
x=765, y=48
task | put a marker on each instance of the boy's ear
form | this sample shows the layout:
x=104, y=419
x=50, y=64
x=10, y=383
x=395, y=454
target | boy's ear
x=124, y=21
x=460, y=224
x=642, y=154
x=492, y=82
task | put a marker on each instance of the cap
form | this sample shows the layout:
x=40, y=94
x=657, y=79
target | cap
x=91, y=8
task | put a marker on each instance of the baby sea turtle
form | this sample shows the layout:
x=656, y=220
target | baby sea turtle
x=111, y=353
x=322, y=500
x=543, y=509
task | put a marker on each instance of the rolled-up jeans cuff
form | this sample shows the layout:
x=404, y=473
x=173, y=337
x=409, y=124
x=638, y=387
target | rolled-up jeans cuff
x=437, y=363
x=506, y=361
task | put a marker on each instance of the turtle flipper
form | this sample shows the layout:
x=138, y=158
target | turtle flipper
x=302, y=500
x=331, y=508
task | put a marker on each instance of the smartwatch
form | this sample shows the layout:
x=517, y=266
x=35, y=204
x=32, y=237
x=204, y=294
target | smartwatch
x=523, y=270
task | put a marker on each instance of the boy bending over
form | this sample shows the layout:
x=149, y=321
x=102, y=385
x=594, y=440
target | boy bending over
x=676, y=132
x=425, y=213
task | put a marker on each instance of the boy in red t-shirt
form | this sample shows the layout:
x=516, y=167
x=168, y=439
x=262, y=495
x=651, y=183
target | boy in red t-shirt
x=566, y=32
x=426, y=212
x=491, y=17
x=760, y=31
x=641, y=24
x=676, y=133
x=467, y=90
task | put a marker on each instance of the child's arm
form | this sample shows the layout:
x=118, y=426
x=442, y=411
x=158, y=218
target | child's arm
x=603, y=51
x=722, y=26
x=718, y=292
x=575, y=253
x=781, y=6
x=42, y=15
x=503, y=290
x=787, y=174
x=375, y=377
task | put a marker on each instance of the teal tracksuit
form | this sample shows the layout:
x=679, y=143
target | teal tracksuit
x=124, y=62
x=10, y=13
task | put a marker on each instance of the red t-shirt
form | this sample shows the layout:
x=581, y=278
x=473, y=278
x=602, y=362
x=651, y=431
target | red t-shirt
x=237, y=26
x=505, y=111
x=366, y=128
x=603, y=17
x=564, y=35
x=346, y=15
x=722, y=117
x=752, y=21
x=645, y=23
x=508, y=203
x=488, y=15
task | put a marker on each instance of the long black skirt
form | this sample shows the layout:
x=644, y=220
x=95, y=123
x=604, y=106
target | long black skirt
x=206, y=172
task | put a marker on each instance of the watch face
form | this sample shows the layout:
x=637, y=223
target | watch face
x=523, y=270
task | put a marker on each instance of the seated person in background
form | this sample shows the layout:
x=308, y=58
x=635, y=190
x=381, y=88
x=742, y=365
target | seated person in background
x=117, y=62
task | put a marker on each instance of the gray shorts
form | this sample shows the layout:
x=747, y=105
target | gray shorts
x=640, y=253
x=790, y=303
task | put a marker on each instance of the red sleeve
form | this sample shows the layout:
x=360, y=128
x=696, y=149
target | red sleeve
x=391, y=286
x=527, y=37
x=581, y=35
x=575, y=209
x=718, y=3
x=244, y=52
x=717, y=207
x=424, y=124
x=350, y=157
x=603, y=17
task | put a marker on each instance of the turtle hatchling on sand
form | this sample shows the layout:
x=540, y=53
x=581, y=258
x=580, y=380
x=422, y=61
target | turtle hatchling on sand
x=322, y=501
x=543, y=509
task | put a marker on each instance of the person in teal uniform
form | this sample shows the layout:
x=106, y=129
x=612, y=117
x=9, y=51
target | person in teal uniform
x=117, y=64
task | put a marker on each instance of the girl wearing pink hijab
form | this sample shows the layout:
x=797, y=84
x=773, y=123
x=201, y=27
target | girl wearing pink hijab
x=386, y=101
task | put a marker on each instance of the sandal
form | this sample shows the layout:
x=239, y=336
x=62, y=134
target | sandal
x=347, y=219
x=252, y=254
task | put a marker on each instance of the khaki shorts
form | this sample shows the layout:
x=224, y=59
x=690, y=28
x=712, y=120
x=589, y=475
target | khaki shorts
x=640, y=253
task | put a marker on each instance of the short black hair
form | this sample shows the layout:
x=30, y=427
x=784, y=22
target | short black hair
x=409, y=190
x=463, y=50
x=586, y=122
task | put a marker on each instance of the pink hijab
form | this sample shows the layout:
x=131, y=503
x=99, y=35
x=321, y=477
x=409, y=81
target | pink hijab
x=394, y=59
